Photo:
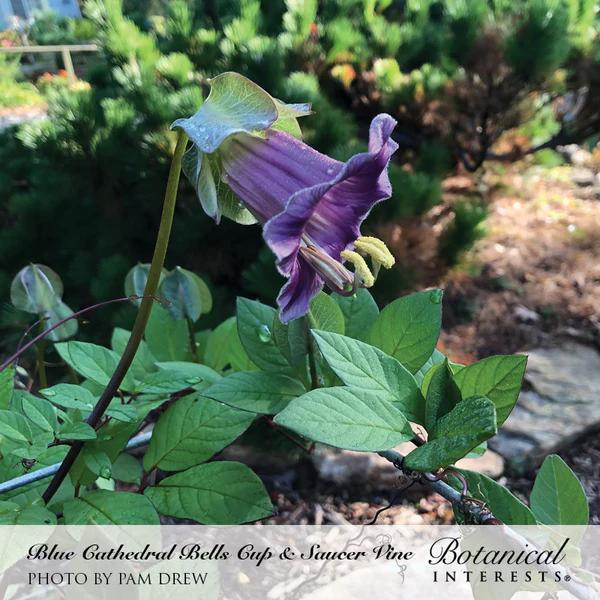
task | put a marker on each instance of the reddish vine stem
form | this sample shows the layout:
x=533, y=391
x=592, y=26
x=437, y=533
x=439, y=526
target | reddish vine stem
x=22, y=349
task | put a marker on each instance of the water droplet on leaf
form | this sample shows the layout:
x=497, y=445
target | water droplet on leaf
x=436, y=296
x=193, y=380
x=264, y=334
x=49, y=393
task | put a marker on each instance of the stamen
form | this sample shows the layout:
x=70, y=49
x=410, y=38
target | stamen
x=377, y=250
x=360, y=267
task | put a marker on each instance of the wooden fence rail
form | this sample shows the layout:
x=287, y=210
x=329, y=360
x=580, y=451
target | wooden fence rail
x=64, y=49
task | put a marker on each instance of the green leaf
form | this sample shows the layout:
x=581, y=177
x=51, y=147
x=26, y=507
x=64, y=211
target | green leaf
x=127, y=469
x=325, y=314
x=102, y=507
x=360, y=312
x=454, y=368
x=346, y=417
x=365, y=367
x=234, y=105
x=30, y=452
x=218, y=493
x=193, y=430
x=409, y=327
x=13, y=514
x=32, y=492
x=136, y=278
x=94, y=362
x=187, y=295
x=442, y=395
x=77, y=431
x=167, y=339
x=217, y=354
x=254, y=323
x=111, y=439
x=557, y=497
x=69, y=395
x=436, y=358
x=256, y=391
x=79, y=398
x=143, y=362
x=224, y=348
x=40, y=412
x=14, y=427
x=105, y=484
x=497, y=378
x=504, y=505
x=291, y=339
x=122, y=412
x=469, y=423
x=192, y=371
x=166, y=382
x=478, y=451
x=96, y=461
x=7, y=378
x=35, y=289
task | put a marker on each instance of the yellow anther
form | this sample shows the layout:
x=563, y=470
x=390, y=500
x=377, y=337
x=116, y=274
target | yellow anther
x=377, y=250
x=360, y=267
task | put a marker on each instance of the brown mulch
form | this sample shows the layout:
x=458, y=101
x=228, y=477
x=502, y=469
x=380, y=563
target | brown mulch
x=535, y=278
x=300, y=497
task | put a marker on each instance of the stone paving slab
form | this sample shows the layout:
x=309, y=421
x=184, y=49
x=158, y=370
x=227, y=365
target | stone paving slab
x=559, y=405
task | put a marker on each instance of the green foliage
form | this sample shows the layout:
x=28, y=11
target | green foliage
x=364, y=367
x=557, y=497
x=318, y=384
x=13, y=91
x=256, y=391
x=546, y=22
x=346, y=417
x=359, y=311
x=409, y=327
x=218, y=493
x=442, y=394
x=102, y=507
x=414, y=194
x=49, y=28
x=463, y=230
x=191, y=431
x=470, y=423
x=499, y=378
x=507, y=507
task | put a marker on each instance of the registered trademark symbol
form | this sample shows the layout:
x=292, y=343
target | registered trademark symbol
x=567, y=578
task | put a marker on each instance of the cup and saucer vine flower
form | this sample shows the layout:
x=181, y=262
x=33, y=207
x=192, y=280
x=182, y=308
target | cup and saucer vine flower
x=248, y=163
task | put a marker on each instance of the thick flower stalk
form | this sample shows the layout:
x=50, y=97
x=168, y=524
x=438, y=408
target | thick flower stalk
x=311, y=206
